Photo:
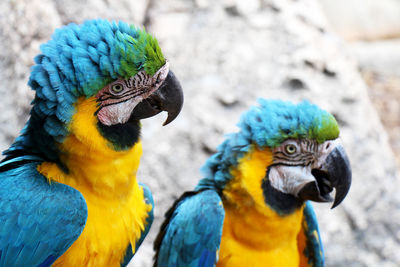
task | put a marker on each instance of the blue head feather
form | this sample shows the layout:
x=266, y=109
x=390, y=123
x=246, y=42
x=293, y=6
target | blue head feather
x=267, y=125
x=78, y=61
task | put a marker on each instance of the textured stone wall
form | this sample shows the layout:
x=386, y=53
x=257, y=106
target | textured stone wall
x=226, y=55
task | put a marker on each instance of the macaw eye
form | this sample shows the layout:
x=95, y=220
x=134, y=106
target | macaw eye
x=290, y=148
x=117, y=88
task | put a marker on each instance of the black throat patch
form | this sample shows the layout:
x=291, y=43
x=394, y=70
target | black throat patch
x=282, y=203
x=121, y=136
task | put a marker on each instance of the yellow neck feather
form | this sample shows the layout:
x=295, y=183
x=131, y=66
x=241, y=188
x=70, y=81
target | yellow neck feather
x=253, y=231
x=107, y=179
x=90, y=159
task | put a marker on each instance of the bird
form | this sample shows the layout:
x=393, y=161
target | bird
x=252, y=207
x=69, y=195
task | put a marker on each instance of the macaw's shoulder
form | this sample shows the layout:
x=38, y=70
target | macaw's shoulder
x=309, y=240
x=191, y=233
x=38, y=220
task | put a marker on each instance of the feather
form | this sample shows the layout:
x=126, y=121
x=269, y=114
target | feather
x=44, y=230
x=191, y=234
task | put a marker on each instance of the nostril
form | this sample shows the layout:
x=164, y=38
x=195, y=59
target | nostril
x=328, y=145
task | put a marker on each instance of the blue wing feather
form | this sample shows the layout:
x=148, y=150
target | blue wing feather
x=314, y=250
x=192, y=233
x=38, y=221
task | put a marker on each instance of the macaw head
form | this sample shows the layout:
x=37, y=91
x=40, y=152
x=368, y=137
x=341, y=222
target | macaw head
x=283, y=155
x=96, y=81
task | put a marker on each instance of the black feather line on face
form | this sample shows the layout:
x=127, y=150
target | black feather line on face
x=117, y=102
x=131, y=93
x=283, y=204
x=304, y=156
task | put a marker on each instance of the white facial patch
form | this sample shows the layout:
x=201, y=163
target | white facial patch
x=294, y=160
x=118, y=113
x=118, y=99
x=290, y=179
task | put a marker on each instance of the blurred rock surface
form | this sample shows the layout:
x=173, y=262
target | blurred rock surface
x=372, y=29
x=226, y=55
x=379, y=64
x=364, y=19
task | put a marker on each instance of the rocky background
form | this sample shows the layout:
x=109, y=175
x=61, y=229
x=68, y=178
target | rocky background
x=342, y=55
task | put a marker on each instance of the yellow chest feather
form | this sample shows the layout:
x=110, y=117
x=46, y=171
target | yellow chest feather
x=254, y=242
x=254, y=234
x=117, y=211
x=112, y=224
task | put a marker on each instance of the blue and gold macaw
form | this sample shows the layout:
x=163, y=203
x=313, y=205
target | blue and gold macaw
x=252, y=207
x=68, y=189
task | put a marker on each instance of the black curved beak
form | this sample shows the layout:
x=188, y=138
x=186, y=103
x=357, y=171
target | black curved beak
x=335, y=172
x=169, y=98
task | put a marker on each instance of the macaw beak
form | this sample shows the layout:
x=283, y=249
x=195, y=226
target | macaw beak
x=169, y=98
x=335, y=172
